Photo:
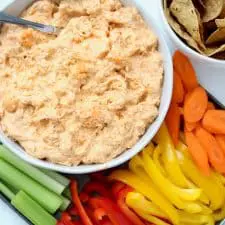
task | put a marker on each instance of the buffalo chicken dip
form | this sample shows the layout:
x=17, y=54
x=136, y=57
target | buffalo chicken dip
x=86, y=95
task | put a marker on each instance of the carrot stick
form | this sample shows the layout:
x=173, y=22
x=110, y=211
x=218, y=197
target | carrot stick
x=215, y=153
x=197, y=152
x=214, y=121
x=190, y=126
x=184, y=68
x=178, y=89
x=210, y=106
x=173, y=122
x=221, y=141
x=195, y=105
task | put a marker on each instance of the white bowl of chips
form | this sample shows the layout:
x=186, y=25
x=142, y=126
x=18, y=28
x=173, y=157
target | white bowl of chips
x=201, y=35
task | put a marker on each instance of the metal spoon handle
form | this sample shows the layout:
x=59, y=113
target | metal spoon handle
x=5, y=18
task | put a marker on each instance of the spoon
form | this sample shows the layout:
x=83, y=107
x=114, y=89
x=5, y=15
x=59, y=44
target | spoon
x=5, y=18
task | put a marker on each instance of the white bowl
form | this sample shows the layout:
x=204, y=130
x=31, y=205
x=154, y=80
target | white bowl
x=208, y=65
x=15, y=8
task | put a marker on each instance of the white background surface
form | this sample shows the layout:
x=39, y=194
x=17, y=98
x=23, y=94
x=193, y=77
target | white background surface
x=214, y=84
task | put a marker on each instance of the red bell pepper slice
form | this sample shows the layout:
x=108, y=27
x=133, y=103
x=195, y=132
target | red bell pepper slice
x=96, y=187
x=99, y=213
x=66, y=219
x=117, y=186
x=75, y=198
x=104, y=221
x=59, y=222
x=84, y=197
x=121, y=197
x=113, y=212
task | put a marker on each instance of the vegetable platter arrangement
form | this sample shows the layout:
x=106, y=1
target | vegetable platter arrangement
x=177, y=179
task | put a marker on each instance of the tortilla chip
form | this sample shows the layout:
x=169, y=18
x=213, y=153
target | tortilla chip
x=181, y=32
x=213, y=9
x=186, y=14
x=215, y=50
x=220, y=23
x=216, y=37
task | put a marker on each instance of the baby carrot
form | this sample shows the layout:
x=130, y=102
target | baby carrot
x=190, y=126
x=178, y=89
x=197, y=152
x=215, y=153
x=210, y=106
x=173, y=122
x=214, y=121
x=195, y=105
x=221, y=141
x=184, y=68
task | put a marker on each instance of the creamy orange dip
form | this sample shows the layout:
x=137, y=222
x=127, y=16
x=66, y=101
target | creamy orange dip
x=86, y=95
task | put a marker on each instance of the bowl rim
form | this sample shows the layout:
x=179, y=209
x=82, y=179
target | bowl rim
x=186, y=48
x=166, y=95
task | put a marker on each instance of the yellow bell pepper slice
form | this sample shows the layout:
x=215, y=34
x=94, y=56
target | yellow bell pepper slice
x=183, y=148
x=156, y=158
x=137, y=167
x=210, y=186
x=150, y=218
x=138, y=201
x=219, y=214
x=149, y=190
x=169, y=158
x=196, y=219
x=173, y=193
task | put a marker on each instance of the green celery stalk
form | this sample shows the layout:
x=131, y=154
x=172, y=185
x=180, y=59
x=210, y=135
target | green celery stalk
x=6, y=191
x=56, y=176
x=65, y=203
x=32, y=210
x=67, y=193
x=47, y=199
x=47, y=181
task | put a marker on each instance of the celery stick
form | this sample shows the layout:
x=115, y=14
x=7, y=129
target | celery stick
x=47, y=199
x=56, y=176
x=6, y=191
x=65, y=204
x=32, y=210
x=31, y=171
x=67, y=193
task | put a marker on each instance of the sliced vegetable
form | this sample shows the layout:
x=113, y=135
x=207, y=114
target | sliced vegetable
x=112, y=210
x=176, y=195
x=215, y=153
x=206, y=183
x=6, y=191
x=195, y=105
x=173, y=122
x=32, y=210
x=31, y=171
x=184, y=68
x=190, y=126
x=178, y=89
x=149, y=190
x=56, y=176
x=121, y=202
x=82, y=213
x=198, y=153
x=210, y=106
x=47, y=199
x=221, y=141
x=214, y=121
x=136, y=200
